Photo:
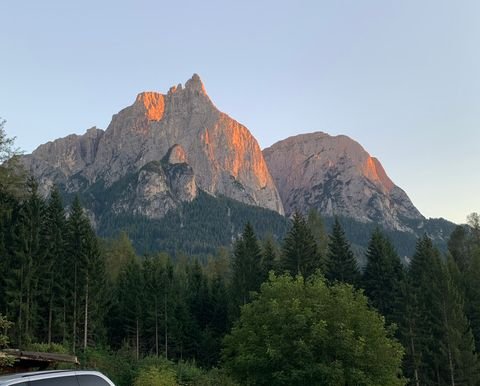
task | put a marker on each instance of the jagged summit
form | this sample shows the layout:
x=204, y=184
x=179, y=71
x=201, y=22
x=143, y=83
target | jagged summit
x=218, y=154
x=195, y=84
x=335, y=175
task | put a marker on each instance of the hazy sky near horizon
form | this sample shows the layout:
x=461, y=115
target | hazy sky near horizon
x=400, y=77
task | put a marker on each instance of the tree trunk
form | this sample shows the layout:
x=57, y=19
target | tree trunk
x=137, y=342
x=415, y=369
x=85, y=330
x=166, y=327
x=50, y=316
x=156, y=326
x=74, y=332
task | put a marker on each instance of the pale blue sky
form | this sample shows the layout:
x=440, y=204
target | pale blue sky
x=400, y=77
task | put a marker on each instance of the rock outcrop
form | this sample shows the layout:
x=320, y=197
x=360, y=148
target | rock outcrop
x=335, y=175
x=196, y=145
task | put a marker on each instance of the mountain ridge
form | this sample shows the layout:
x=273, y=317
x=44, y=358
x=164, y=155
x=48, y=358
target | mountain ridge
x=224, y=156
x=337, y=176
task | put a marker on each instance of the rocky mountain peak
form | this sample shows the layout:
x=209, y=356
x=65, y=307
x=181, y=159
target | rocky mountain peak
x=195, y=84
x=335, y=175
x=223, y=157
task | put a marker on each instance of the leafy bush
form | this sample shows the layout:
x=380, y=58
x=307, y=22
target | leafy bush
x=156, y=376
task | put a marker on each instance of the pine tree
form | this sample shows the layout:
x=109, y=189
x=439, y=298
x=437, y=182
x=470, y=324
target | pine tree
x=421, y=327
x=300, y=251
x=464, y=247
x=436, y=333
x=22, y=283
x=383, y=276
x=458, y=247
x=54, y=273
x=80, y=250
x=130, y=305
x=457, y=347
x=269, y=257
x=247, y=273
x=341, y=263
x=94, y=292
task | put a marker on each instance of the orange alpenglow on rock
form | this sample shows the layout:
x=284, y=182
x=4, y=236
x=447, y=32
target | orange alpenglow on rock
x=208, y=150
x=375, y=172
x=154, y=104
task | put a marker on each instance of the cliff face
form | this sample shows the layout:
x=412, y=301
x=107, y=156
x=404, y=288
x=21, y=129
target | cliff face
x=338, y=177
x=191, y=143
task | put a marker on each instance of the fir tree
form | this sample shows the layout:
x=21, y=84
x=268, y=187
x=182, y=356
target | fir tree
x=269, y=257
x=300, y=251
x=53, y=280
x=247, y=273
x=383, y=276
x=341, y=263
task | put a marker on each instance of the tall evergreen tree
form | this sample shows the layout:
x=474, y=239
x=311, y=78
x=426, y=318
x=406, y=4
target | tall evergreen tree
x=300, y=251
x=383, y=276
x=422, y=323
x=86, y=276
x=269, y=257
x=457, y=347
x=458, y=246
x=22, y=283
x=436, y=333
x=53, y=279
x=247, y=273
x=130, y=305
x=341, y=263
x=464, y=247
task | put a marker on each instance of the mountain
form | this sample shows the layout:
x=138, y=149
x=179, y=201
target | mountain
x=156, y=154
x=178, y=174
x=336, y=176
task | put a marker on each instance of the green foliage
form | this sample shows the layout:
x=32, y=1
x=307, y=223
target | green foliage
x=300, y=251
x=12, y=173
x=118, y=253
x=154, y=376
x=305, y=332
x=51, y=348
x=341, y=263
x=246, y=266
x=383, y=277
x=5, y=324
x=195, y=228
x=439, y=342
x=270, y=256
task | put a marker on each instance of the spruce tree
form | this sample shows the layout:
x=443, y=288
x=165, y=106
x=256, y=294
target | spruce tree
x=341, y=263
x=300, y=251
x=269, y=257
x=383, y=276
x=53, y=281
x=457, y=347
x=247, y=272
x=436, y=332
x=421, y=327
x=22, y=284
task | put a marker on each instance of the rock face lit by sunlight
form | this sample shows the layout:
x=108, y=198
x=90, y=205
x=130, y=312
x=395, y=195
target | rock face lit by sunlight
x=220, y=155
x=335, y=175
x=154, y=104
x=374, y=171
